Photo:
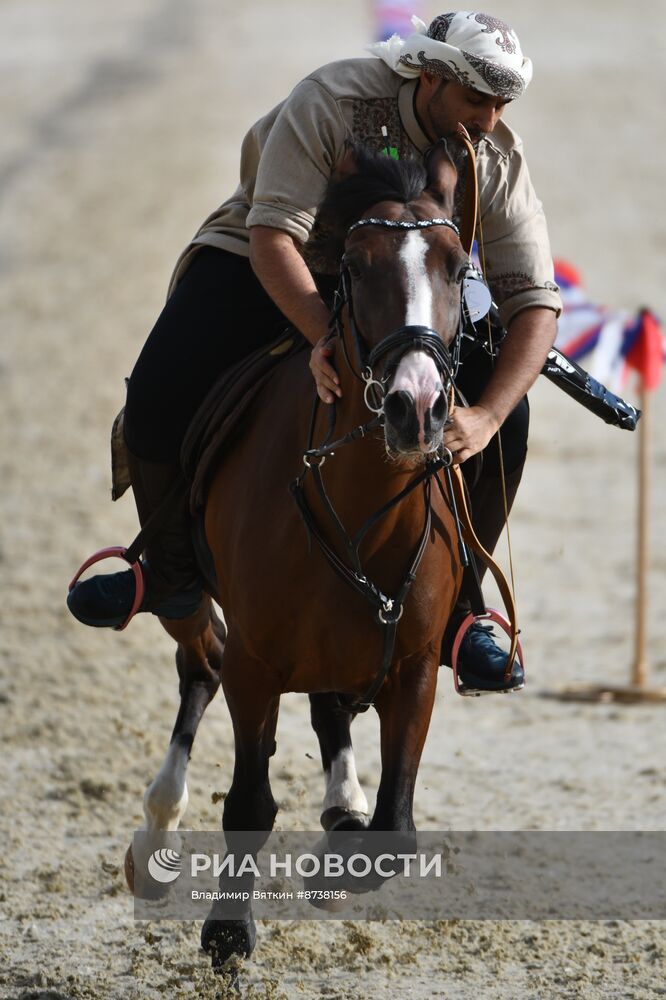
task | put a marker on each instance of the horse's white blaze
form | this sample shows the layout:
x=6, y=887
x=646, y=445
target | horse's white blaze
x=342, y=787
x=166, y=798
x=419, y=293
x=417, y=373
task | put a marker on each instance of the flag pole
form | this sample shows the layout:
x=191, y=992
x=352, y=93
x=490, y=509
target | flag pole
x=638, y=690
x=640, y=667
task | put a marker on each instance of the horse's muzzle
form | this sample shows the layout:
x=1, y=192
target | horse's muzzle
x=415, y=407
x=414, y=425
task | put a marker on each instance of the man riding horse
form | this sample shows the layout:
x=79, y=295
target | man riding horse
x=253, y=268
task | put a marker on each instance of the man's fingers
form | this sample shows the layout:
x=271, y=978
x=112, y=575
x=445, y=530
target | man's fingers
x=327, y=389
x=327, y=384
x=328, y=371
x=324, y=374
x=327, y=379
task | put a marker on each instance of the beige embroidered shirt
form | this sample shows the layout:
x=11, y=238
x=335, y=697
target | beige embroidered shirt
x=288, y=156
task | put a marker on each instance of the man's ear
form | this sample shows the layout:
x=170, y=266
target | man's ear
x=429, y=80
x=442, y=176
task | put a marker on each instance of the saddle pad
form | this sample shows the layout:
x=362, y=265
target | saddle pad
x=223, y=409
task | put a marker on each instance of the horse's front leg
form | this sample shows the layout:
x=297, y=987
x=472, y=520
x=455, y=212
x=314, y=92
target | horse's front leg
x=249, y=805
x=404, y=705
x=345, y=805
x=198, y=659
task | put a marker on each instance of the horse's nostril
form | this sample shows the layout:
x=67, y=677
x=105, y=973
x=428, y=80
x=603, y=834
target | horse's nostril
x=398, y=406
x=439, y=409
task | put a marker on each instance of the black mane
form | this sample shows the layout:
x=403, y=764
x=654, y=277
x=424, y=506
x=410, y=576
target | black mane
x=378, y=178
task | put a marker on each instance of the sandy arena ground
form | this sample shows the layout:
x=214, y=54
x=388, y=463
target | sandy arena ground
x=121, y=128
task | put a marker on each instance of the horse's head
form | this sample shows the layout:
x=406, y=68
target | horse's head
x=401, y=275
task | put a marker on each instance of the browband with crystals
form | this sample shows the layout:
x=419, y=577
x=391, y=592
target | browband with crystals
x=396, y=224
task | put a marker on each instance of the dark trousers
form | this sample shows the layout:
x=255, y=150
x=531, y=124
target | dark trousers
x=217, y=315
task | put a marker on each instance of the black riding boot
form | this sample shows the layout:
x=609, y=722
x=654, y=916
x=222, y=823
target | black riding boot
x=173, y=584
x=481, y=662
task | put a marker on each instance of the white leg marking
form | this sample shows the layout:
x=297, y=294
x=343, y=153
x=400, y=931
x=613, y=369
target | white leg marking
x=166, y=798
x=342, y=787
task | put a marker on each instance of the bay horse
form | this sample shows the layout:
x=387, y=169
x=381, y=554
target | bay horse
x=306, y=610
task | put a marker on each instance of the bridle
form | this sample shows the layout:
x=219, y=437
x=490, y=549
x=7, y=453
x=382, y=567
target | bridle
x=398, y=343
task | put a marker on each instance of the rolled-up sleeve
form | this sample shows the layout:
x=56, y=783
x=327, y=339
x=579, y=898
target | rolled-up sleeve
x=519, y=265
x=304, y=145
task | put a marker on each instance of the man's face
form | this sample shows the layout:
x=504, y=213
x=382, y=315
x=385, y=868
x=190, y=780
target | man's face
x=441, y=104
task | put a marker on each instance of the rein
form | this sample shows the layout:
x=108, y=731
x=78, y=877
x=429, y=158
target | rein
x=388, y=609
x=475, y=303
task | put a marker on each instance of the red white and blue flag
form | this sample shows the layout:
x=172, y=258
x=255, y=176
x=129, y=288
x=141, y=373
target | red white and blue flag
x=609, y=343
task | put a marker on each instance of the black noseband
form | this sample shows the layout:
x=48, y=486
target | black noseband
x=415, y=338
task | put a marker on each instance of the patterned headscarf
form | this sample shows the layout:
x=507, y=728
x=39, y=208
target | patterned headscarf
x=476, y=50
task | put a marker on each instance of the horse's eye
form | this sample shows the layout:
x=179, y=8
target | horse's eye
x=353, y=268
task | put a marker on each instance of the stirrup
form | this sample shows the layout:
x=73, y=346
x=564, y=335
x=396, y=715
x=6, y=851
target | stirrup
x=498, y=618
x=119, y=552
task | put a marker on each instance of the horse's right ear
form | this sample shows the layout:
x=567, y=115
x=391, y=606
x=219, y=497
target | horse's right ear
x=471, y=198
x=442, y=175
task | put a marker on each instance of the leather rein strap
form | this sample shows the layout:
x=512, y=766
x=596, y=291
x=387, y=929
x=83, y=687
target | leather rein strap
x=470, y=211
x=471, y=197
x=457, y=485
x=388, y=609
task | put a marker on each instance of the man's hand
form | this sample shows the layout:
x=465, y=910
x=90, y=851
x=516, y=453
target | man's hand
x=529, y=338
x=468, y=432
x=324, y=374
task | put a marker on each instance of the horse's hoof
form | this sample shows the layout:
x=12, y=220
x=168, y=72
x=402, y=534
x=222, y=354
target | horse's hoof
x=138, y=881
x=129, y=869
x=336, y=818
x=224, y=938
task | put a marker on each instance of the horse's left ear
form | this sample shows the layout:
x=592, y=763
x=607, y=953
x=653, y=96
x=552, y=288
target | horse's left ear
x=346, y=165
x=442, y=175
